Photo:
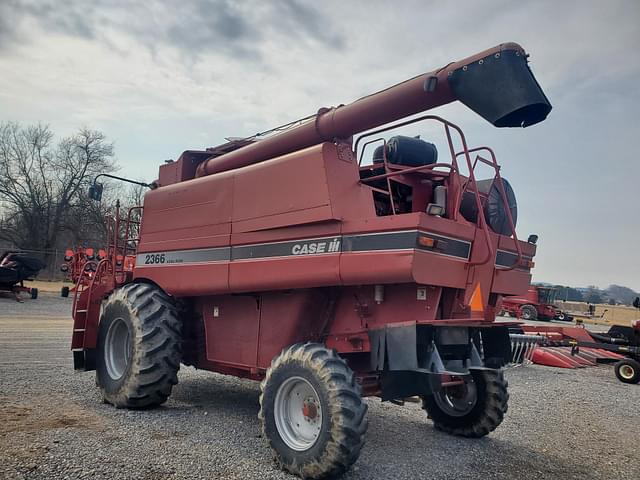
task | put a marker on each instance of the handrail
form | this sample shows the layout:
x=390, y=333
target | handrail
x=80, y=283
x=128, y=229
x=503, y=195
x=482, y=223
x=410, y=170
x=365, y=146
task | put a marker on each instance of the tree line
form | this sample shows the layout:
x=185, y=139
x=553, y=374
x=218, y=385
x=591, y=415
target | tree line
x=613, y=294
x=44, y=206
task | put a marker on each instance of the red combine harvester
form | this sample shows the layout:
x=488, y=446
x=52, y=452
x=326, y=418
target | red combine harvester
x=536, y=304
x=283, y=258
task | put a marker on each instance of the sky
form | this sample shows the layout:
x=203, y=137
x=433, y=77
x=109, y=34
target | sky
x=160, y=77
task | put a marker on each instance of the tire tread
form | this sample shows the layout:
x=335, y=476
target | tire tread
x=348, y=411
x=495, y=406
x=157, y=350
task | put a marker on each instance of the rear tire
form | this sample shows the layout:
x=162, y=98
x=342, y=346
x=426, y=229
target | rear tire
x=34, y=293
x=64, y=292
x=528, y=312
x=139, y=347
x=485, y=409
x=312, y=412
x=628, y=371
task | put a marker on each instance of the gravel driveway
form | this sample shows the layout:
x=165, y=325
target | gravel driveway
x=561, y=423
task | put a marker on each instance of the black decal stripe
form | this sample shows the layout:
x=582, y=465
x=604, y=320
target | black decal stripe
x=380, y=241
x=375, y=242
x=282, y=249
x=449, y=246
x=507, y=259
x=406, y=241
x=185, y=256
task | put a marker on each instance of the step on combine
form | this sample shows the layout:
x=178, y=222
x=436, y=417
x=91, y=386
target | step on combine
x=330, y=259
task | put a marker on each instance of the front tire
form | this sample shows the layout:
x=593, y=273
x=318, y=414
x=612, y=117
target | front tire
x=139, y=347
x=473, y=410
x=528, y=312
x=628, y=371
x=312, y=412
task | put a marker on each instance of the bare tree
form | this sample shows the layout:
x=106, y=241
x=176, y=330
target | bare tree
x=41, y=183
x=89, y=223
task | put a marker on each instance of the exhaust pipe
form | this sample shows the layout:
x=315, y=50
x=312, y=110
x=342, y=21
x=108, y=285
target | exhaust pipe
x=496, y=83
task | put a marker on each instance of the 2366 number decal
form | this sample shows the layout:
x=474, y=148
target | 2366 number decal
x=154, y=258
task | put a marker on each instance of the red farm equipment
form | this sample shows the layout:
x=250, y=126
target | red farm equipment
x=286, y=259
x=536, y=304
x=577, y=347
x=75, y=263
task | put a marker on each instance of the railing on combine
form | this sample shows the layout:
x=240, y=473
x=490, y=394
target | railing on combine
x=104, y=275
x=123, y=243
x=457, y=192
x=503, y=194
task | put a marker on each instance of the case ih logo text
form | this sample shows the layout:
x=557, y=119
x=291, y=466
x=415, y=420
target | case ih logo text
x=309, y=248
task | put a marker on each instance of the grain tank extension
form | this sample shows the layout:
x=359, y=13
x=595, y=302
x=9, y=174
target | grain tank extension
x=329, y=264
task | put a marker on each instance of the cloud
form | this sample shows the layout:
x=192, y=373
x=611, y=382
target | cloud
x=306, y=20
x=8, y=24
x=194, y=28
x=69, y=20
x=206, y=25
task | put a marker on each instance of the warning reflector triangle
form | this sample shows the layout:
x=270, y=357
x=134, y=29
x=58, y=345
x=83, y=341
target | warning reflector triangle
x=477, y=305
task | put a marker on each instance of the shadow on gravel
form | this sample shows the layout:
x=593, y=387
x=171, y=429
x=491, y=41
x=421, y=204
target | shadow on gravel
x=407, y=441
x=400, y=439
x=217, y=393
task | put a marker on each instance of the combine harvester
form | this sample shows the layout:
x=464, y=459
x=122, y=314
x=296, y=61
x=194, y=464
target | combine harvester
x=536, y=304
x=285, y=259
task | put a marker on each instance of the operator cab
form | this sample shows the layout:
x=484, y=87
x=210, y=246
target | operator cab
x=411, y=192
x=406, y=177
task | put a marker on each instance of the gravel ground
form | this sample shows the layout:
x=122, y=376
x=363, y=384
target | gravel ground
x=561, y=423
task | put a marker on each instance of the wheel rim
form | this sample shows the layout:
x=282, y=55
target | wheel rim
x=459, y=400
x=298, y=413
x=117, y=349
x=526, y=314
x=627, y=372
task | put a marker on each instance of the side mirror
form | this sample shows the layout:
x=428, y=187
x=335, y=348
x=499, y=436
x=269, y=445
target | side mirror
x=95, y=192
x=636, y=302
